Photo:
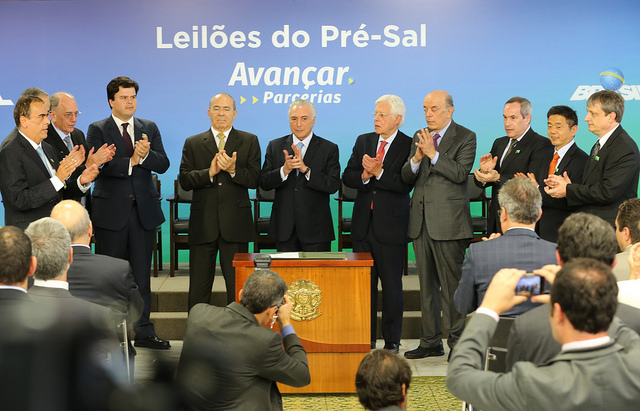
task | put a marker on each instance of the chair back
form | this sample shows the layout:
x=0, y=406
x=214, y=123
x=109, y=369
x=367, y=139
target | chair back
x=181, y=195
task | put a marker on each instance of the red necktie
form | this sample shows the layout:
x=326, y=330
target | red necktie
x=127, y=139
x=554, y=163
x=380, y=155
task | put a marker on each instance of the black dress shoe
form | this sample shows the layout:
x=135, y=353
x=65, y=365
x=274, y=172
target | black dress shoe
x=423, y=352
x=393, y=347
x=152, y=342
x=373, y=345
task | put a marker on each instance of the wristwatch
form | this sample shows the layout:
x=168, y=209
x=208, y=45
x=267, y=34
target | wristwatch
x=305, y=172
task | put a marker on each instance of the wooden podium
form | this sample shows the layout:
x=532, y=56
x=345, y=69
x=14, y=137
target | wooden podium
x=333, y=302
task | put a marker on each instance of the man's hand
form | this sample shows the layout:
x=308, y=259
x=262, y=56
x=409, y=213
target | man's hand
x=89, y=174
x=69, y=164
x=530, y=176
x=103, y=155
x=297, y=159
x=488, y=163
x=284, y=313
x=214, y=168
x=142, y=147
x=500, y=295
x=549, y=272
x=227, y=163
x=491, y=237
x=557, y=185
x=372, y=165
x=289, y=164
x=424, y=146
x=634, y=261
x=486, y=177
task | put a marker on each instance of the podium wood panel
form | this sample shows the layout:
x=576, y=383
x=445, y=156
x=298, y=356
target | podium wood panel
x=338, y=339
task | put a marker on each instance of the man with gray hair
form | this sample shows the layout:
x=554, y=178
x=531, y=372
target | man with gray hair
x=520, y=247
x=304, y=169
x=440, y=219
x=381, y=211
x=231, y=360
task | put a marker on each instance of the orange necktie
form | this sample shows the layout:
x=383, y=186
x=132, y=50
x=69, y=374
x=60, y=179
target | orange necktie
x=554, y=163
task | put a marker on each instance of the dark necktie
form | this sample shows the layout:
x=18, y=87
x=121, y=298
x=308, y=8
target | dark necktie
x=595, y=150
x=436, y=136
x=512, y=144
x=127, y=139
x=68, y=142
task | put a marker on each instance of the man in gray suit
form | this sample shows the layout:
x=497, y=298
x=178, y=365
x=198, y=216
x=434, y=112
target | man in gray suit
x=439, y=220
x=627, y=233
x=593, y=371
x=231, y=361
x=520, y=247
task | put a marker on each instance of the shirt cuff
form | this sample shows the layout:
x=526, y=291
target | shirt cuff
x=489, y=312
x=435, y=158
x=57, y=184
x=286, y=330
x=414, y=167
x=83, y=187
x=282, y=176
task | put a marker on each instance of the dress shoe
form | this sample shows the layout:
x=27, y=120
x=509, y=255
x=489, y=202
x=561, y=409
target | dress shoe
x=423, y=352
x=152, y=342
x=373, y=345
x=393, y=347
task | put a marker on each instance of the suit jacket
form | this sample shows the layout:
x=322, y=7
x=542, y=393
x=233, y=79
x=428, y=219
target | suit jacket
x=238, y=361
x=621, y=269
x=555, y=210
x=518, y=248
x=441, y=196
x=530, y=336
x=10, y=137
x=599, y=378
x=523, y=158
x=27, y=193
x=608, y=179
x=390, y=194
x=115, y=190
x=300, y=203
x=222, y=206
x=105, y=281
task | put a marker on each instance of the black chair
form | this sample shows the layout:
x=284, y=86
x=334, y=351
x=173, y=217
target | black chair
x=157, y=240
x=479, y=222
x=262, y=223
x=178, y=226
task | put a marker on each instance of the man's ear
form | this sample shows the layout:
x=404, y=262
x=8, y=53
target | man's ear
x=558, y=258
x=32, y=266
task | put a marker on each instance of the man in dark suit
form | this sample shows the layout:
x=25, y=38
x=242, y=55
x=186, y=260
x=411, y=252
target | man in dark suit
x=304, y=170
x=32, y=180
x=593, y=371
x=30, y=92
x=219, y=165
x=519, y=247
x=230, y=360
x=518, y=152
x=440, y=219
x=611, y=174
x=581, y=235
x=100, y=279
x=381, y=211
x=125, y=204
x=562, y=125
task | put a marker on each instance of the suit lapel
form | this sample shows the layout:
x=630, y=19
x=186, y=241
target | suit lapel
x=448, y=139
x=592, y=164
x=233, y=142
x=209, y=142
x=566, y=159
x=520, y=146
x=116, y=137
x=138, y=130
x=33, y=155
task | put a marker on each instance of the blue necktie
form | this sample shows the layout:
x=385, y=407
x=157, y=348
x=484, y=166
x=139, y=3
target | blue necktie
x=44, y=159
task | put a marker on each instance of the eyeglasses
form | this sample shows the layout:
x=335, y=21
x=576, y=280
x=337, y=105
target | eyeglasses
x=383, y=115
x=70, y=115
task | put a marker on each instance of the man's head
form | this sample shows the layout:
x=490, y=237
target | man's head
x=604, y=111
x=31, y=115
x=262, y=290
x=51, y=246
x=438, y=109
x=517, y=116
x=383, y=380
x=122, y=95
x=586, y=293
x=222, y=112
x=302, y=117
x=64, y=112
x=15, y=254
x=585, y=235
x=75, y=219
x=628, y=223
x=388, y=115
x=37, y=92
x=520, y=203
x=562, y=125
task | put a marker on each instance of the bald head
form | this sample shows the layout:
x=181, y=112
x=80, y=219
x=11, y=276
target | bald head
x=75, y=219
x=64, y=111
x=438, y=109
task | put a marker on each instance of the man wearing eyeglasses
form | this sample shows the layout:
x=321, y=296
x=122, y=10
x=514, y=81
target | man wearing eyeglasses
x=219, y=165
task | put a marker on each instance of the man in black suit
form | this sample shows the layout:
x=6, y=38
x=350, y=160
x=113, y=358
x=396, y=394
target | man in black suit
x=219, y=165
x=518, y=152
x=100, y=279
x=64, y=136
x=611, y=174
x=580, y=236
x=125, y=204
x=32, y=180
x=30, y=92
x=304, y=170
x=562, y=126
x=381, y=211
x=231, y=360
x=440, y=219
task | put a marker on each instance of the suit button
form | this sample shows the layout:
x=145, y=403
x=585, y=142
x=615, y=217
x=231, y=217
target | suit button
x=131, y=197
x=219, y=184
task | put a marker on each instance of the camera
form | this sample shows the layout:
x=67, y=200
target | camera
x=531, y=284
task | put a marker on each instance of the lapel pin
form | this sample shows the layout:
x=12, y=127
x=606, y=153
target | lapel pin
x=517, y=151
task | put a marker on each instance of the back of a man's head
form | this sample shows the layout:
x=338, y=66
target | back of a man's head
x=379, y=379
x=15, y=255
x=521, y=200
x=50, y=244
x=263, y=289
x=585, y=235
x=75, y=218
x=587, y=292
x=629, y=217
